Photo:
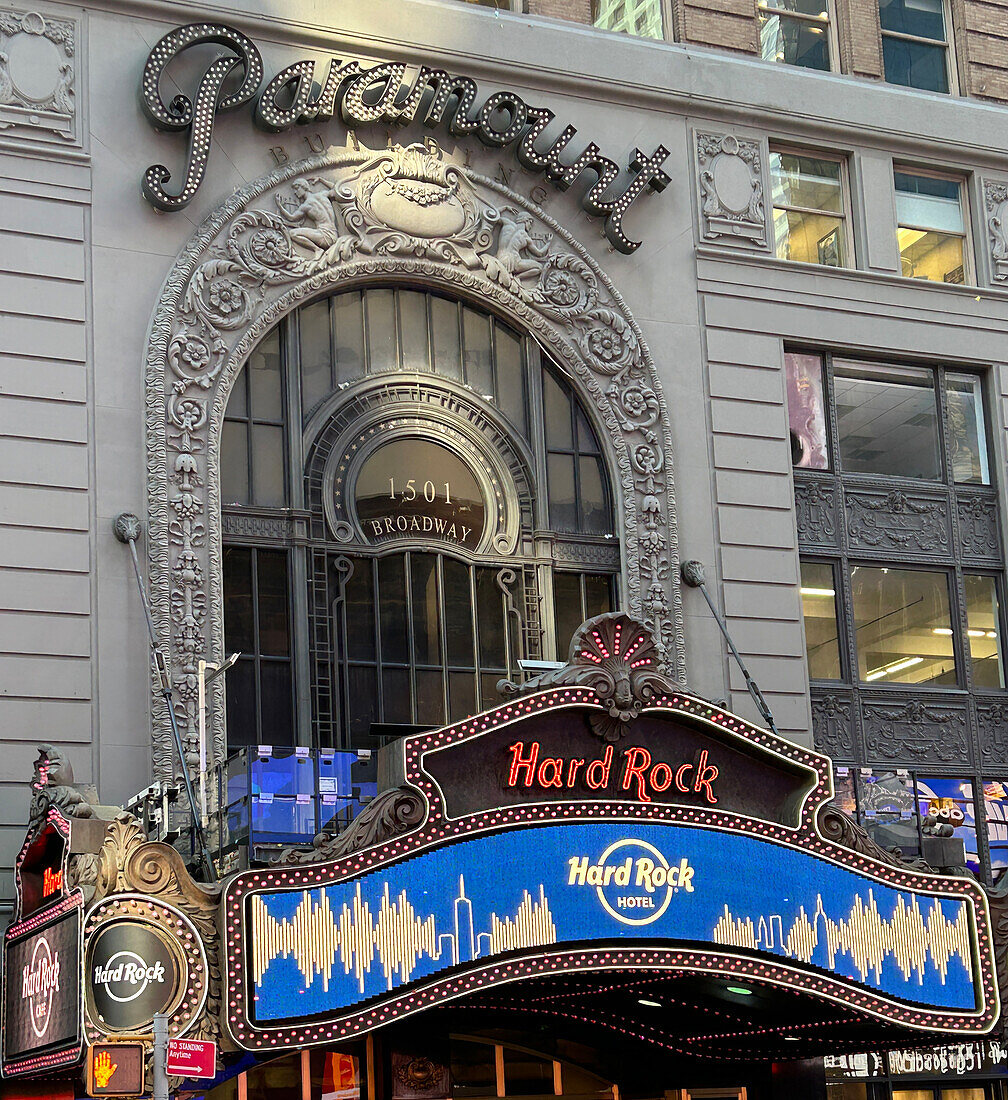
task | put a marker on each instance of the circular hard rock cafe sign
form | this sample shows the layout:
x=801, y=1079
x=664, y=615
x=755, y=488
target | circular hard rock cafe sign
x=134, y=969
x=142, y=956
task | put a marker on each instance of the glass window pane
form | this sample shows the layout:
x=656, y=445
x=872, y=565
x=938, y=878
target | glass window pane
x=277, y=708
x=445, y=334
x=806, y=415
x=587, y=440
x=822, y=644
x=967, y=436
x=334, y=1076
x=476, y=352
x=594, y=513
x=430, y=698
x=844, y=798
x=928, y=202
x=526, y=1074
x=560, y=481
x=315, y=354
x=809, y=238
x=598, y=595
x=234, y=463
x=904, y=630
x=510, y=377
x=265, y=380
x=889, y=810
x=381, y=321
x=914, y=64
x=239, y=686
x=983, y=621
x=567, y=611
x=268, y=482
x=490, y=620
x=426, y=620
x=887, y=421
x=794, y=41
x=802, y=7
x=348, y=323
x=392, y=608
x=934, y=256
x=812, y=182
x=461, y=695
x=922, y=18
x=363, y=700
x=473, y=1069
x=239, y=623
x=995, y=794
x=458, y=614
x=238, y=396
x=951, y=801
x=557, y=414
x=413, y=327
x=396, y=695
x=642, y=18
x=359, y=595
x=274, y=639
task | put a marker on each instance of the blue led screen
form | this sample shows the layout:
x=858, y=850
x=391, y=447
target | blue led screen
x=323, y=951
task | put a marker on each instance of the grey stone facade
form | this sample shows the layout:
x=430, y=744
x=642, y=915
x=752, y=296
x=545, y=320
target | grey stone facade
x=83, y=268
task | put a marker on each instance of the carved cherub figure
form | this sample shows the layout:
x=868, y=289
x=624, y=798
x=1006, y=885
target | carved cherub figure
x=314, y=208
x=515, y=240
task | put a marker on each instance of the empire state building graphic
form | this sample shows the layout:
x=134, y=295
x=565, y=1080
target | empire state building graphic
x=330, y=945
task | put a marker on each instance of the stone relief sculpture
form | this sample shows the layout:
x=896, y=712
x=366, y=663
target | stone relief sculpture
x=37, y=73
x=730, y=173
x=996, y=203
x=351, y=214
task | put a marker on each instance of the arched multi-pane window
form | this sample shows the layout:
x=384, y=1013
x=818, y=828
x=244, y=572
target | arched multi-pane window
x=415, y=504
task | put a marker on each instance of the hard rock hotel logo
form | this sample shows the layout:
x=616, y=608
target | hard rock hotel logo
x=633, y=879
x=326, y=948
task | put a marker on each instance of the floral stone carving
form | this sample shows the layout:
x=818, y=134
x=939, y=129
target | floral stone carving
x=343, y=217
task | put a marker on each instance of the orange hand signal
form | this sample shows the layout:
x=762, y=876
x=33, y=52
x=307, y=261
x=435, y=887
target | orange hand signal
x=104, y=1067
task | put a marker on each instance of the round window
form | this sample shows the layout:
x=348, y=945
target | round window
x=413, y=488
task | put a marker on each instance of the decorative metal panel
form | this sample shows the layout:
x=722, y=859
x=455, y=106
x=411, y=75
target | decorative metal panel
x=979, y=527
x=816, y=512
x=888, y=522
x=834, y=725
x=919, y=730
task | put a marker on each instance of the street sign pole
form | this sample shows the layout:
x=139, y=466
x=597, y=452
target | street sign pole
x=160, y=1056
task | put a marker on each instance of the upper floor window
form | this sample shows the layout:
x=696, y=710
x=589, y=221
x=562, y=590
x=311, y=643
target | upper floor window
x=915, y=44
x=889, y=421
x=809, y=208
x=931, y=227
x=642, y=18
x=796, y=32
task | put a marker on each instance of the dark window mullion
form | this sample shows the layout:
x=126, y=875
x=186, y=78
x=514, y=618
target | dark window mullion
x=474, y=619
x=365, y=333
x=258, y=644
x=376, y=597
x=442, y=632
x=410, y=633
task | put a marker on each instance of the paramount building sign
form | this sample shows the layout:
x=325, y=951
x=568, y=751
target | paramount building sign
x=304, y=93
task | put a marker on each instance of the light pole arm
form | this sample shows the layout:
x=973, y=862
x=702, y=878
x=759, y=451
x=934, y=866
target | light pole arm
x=693, y=575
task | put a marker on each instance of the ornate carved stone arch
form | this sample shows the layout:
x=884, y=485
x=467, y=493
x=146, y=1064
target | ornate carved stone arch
x=353, y=216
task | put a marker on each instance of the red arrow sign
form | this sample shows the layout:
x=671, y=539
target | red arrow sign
x=191, y=1058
